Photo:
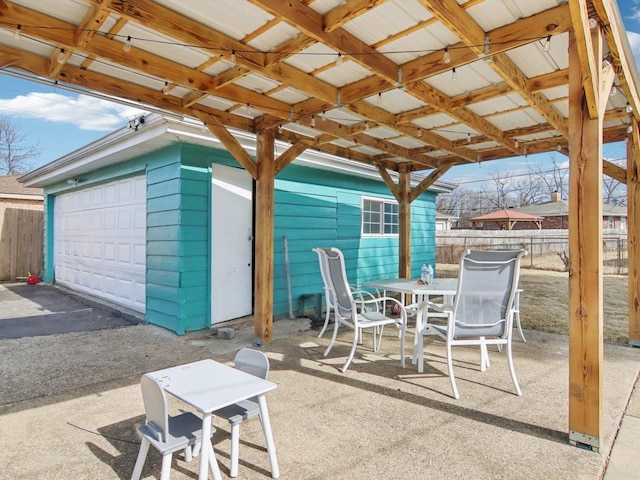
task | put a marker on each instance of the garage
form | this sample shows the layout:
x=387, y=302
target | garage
x=100, y=241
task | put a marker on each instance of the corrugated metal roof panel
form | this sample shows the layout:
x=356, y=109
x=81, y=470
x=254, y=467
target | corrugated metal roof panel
x=395, y=101
x=256, y=82
x=273, y=37
x=316, y=56
x=234, y=18
x=289, y=95
x=517, y=119
x=386, y=20
x=344, y=74
x=382, y=132
x=532, y=60
x=498, y=104
x=69, y=11
x=407, y=142
x=434, y=121
x=471, y=77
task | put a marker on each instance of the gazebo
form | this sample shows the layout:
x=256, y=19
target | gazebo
x=506, y=219
x=406, y=86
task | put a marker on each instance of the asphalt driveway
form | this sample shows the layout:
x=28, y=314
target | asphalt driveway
x=43, y=309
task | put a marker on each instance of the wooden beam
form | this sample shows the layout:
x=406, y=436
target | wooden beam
x=428, y=181
x=589, y=61
x=393, y=188
x=614, y=171
x=289, y=155
x=263, y=263
x=346, y=12
x=633, y=233
x=404, y=234
x=230, y=143
x=310, y=22
x=585, y=263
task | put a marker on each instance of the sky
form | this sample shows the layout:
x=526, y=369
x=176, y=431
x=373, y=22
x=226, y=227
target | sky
x=57, y=121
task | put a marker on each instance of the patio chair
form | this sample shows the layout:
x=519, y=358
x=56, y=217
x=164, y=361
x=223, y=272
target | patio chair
x=328, y=290
x=168, y=434
x=368, y=316
x=256, y=363
x=482, y=312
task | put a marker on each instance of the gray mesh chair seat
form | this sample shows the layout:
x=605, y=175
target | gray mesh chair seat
x=482, y=313
x=366, y=313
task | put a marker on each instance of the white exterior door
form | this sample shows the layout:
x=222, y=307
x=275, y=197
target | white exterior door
x=231, y=244
x=100, y=241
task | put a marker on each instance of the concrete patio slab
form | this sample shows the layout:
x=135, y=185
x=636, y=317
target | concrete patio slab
x=72, y=404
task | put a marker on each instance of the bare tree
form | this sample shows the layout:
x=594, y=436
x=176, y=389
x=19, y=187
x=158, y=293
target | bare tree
x=15, y=155
x=555, y=180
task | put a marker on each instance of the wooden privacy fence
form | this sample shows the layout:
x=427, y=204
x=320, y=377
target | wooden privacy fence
x=544, y=248
x=21, y=241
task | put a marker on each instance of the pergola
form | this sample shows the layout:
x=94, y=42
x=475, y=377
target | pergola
x=405, y=85
x=507, y=219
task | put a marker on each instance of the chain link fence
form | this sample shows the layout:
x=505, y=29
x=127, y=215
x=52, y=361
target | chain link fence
x=545, y=251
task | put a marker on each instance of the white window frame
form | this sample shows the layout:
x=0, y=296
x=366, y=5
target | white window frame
x=381, y=223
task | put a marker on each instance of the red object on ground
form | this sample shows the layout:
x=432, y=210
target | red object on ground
x=32, y=280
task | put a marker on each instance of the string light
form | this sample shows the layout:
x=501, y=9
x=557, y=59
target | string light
x=468, y=138
x=247, y=109
x=454, y=75
x=614, y=91
x=233, y=57
x=517, y=143
x=127, y=45
x=17, y=34
x=165, y=89
x=593, y=23
x=446, y=57
x=559, y=148
x=339, y=60
x=547, y=44
x=60, y=57
x=379, y=99
x=313, y=121
x=419, y=133
x=606, y=64
x=280, y=129
x=366, y=124
x=629, y=108
x=323, y=116
x=629, y=129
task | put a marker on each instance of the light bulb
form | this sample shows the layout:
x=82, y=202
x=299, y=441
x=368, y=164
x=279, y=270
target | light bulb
x=339, y=60
x=446, y=57
x=606, y=64
x=468, y=137
x=233, y=57
x=593, y=23
x=454, y=75
x=313, y=121
x=547, y=44
x=366, y=124
x=165, y=89
x=323, y=116
x=559, y=147
x=379, y=99
x=60, y=57
x=127, y=45
x=629, y=108
x=614, y=91
x=247, y=109
x=279, y=128
x=419, y=133
x=17, y=34
x=629, y=129
x=517, y=143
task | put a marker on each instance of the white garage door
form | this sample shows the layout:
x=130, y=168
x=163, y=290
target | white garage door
x=100, y=241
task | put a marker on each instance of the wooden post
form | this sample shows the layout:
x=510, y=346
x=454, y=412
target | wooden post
x=585, y=260
x=633, y=226
x=265, y=186
x=404, y=236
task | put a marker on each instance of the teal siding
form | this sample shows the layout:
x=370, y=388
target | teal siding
x=316, y=208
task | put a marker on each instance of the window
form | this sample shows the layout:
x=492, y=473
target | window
x=379, y=217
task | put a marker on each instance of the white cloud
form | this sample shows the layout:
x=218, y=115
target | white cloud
x=83, y=111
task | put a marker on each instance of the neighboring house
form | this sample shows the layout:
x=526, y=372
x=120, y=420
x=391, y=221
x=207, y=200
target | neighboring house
x=160, y=219
x=556, y=214
x=444, y=222
x=20, y=229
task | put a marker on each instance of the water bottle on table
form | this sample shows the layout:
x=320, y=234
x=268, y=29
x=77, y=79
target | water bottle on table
x=424, y=274
x=429, y=274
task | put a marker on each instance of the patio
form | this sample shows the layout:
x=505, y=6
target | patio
x=77, y=395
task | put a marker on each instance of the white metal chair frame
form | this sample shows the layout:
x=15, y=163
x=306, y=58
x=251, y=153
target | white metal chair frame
x=347, y=313
x=461, y=332
x=329, y=294
x=168, y=434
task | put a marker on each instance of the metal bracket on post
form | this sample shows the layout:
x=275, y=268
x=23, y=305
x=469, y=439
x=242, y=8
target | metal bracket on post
x=582, y=440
